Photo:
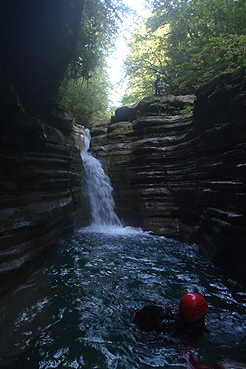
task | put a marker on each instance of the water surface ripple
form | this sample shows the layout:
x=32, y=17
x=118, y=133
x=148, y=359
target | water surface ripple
x=75, y=312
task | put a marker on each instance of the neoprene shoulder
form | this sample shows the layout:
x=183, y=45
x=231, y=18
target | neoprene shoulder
x=155, y=318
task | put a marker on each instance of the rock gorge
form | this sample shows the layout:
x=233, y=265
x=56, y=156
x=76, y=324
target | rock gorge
x=182, y=175
x=41, y=171
x=174, y=173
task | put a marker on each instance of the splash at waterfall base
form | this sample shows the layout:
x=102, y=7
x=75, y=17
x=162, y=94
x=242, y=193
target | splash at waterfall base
x=98, y=189
x=179, y=174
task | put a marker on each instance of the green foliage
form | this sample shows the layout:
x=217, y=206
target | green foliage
x=188, y=42
x=85, y=89
x=146, y=57
x=187, y=109
x=160, y=106
x=87, y=99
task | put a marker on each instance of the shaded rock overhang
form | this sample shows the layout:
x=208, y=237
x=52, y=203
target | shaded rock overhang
x=37, y=44
x=40, y=171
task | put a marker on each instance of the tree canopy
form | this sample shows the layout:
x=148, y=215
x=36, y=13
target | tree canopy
x=188, y=42
x=85, y=89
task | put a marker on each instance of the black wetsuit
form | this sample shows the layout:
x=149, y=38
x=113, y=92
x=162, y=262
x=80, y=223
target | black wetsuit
x=156, y=318
x=159, y=86
x=164, y=319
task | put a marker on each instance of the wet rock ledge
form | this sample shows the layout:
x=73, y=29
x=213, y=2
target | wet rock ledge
x=40, y=194
x=182, y=175
x=40, y=167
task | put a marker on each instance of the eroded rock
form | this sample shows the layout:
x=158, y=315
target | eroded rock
x=180, y=176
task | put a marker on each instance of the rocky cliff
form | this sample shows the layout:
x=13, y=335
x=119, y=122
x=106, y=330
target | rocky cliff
x=179, y=174
x=40, y=172
x=37, y=43
x=40, y=194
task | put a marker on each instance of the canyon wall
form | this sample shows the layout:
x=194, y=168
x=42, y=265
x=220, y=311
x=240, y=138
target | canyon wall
x=179, y=174
x=41, y=169
x=40, y=194
x=174, y=173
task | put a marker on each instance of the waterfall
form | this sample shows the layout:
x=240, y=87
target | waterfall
x=98, y=189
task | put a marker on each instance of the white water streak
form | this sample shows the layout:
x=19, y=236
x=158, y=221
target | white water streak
x=98, y=189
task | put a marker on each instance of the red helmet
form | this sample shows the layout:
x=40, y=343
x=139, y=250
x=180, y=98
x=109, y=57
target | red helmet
x=192, y=307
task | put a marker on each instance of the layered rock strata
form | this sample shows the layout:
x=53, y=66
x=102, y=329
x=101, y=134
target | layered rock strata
x=179, y=175
x=40, y=167
x=40, y=195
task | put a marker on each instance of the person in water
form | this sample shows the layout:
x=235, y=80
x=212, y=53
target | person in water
x=158, y=86
x=186, y=324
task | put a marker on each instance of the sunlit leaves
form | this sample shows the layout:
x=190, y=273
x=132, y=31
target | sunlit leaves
x=189, y=42
x=85, y=89
x=147, y=57
x=87, y=99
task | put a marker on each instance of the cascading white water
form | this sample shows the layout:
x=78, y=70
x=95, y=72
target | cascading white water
x=98, y=189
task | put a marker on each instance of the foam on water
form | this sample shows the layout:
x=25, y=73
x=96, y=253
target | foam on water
x=98, y=189
x=75, y=312
x=113, y=230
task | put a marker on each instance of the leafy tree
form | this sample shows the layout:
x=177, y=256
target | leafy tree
x=85, y=89
x=87, y=98
x=146, y=57
x=189, y=42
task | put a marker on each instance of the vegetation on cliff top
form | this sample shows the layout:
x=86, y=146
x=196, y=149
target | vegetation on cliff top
x=86, y=87
x=188, y=42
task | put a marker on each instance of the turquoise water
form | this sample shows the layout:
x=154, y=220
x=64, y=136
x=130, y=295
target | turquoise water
x=75, y=312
